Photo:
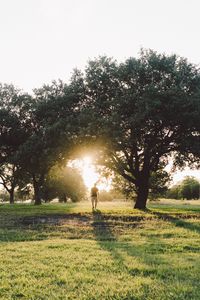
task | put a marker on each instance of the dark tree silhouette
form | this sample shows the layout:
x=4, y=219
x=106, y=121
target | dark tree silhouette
x=141, y=112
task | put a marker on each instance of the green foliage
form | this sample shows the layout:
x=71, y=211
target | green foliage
x=4, y=196
x=64, y=183
x=159, y=183
x=110, y=195
x=142, y=111
x=127, y=188
x=36, y=133
x=12, y=134
x=49, y=123
x=10, y=177
x=174, y=192
x=188, y=189
x=24, y=192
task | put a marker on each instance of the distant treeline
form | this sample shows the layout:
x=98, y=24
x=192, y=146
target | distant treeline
x=188, y=189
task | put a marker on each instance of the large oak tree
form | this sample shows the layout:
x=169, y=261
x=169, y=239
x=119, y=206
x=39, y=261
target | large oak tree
x=142, y=111
x=53, y=129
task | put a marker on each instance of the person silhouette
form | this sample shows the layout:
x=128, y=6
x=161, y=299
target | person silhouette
x=94, y=196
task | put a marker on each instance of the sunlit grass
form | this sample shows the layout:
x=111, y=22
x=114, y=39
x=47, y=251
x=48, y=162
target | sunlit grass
x=63, y=251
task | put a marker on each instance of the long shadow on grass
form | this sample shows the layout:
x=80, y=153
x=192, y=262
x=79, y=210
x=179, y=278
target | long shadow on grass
x=106, y=238
x=102, y=229
x=148, y=256
x=177, y=221
x=35, y=227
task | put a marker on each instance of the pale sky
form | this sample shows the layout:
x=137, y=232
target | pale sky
x=42, y=40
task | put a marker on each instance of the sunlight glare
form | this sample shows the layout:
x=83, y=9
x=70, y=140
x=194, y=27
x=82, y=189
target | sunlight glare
x=90, y=175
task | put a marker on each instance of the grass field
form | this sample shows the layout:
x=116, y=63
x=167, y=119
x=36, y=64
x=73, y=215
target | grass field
x=64, y=251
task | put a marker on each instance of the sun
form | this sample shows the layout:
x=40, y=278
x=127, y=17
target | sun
x=90, y=174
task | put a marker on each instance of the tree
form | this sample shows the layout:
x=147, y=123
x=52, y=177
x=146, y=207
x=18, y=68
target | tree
x=121, y=185
x=8, y=178
x=188, y=188
x=38, y=131
x=158, y=183
x=141, y=112
x=24, y=191
x=20, y=139
x=174, y=192
x=52, y=131
x=64, y=183
x=12, y=135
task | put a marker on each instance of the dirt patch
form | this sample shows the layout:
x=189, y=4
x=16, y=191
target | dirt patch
x=176, y=216
x=54, y=219
x=97, y=219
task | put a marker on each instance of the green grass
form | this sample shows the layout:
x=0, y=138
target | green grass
x=59, y=251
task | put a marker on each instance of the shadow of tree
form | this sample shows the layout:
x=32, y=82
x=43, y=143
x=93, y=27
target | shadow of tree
x=178, y=221
x=37, y=227
x=104, y=235
x=149, y=257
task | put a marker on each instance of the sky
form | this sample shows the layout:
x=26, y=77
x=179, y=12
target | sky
x=43, y=40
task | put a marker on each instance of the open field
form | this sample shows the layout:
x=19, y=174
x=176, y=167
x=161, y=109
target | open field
x=64, y=251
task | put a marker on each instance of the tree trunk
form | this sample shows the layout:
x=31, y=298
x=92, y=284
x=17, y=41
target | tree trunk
x=11, y=193
x=142, y=194
x=37, y=196
x=63, y=198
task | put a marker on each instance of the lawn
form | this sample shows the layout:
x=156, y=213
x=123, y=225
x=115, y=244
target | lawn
x=64, y=251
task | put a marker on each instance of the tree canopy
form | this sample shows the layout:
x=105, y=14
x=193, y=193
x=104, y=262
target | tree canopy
x=143, y=111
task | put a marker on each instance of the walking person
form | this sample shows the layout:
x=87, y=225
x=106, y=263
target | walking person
x=94, y=196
